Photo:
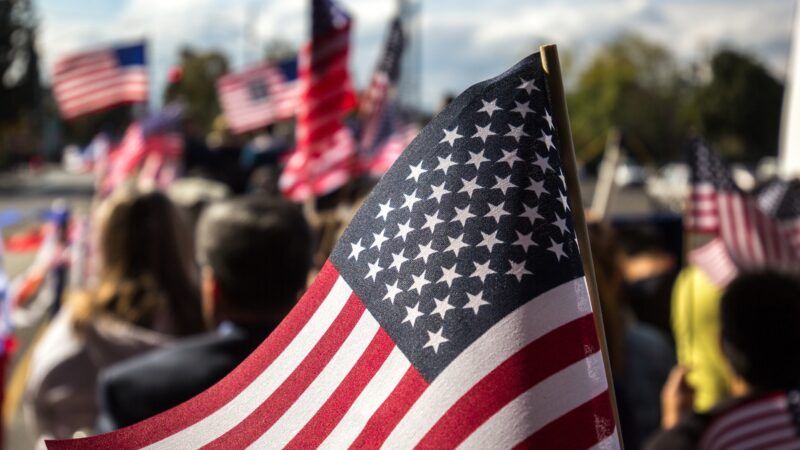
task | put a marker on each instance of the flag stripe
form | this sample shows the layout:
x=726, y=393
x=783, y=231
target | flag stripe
x=759, y=427
x=529, y=322
x=735, y=419
x=561, y=392
x=273, y=406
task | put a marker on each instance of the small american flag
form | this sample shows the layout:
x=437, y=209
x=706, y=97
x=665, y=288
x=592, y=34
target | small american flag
x=324, y=157
x=760, y=229
x=769, y=421
x=452, y=312
x=259, y=96
x=88, y=82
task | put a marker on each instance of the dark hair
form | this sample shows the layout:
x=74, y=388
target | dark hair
x=760, y=315
x=146, y=265
x=259, y=249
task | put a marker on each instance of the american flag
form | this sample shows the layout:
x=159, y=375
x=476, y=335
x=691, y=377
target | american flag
x=259, y=96
x=323, y=159
x=88, y=82
x=760, y=229
x=453, y=310
x=769, y=421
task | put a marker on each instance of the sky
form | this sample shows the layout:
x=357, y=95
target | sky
x=460, y=42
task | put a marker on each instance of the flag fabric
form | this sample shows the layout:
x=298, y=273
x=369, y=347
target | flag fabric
x=760, y=229
x=452, y=312
x=768, y=421
x=390, y=150
x=88, y=82
x=715, y=262
x=323, y=158
x=259, y=96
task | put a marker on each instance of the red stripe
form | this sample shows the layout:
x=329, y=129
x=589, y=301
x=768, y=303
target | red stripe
x=326, y=419
x=163, y=425
x=260, y=420
x=578, y=429
x=388, y=415
x=535, y=362
x=721, y=443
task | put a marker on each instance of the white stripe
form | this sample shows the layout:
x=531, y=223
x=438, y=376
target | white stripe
x=609, y=443
x=312, y=399
x=773, y=405
x=251, y=397
x=736, y=434
x=740, y=228
x=527, y=323
x=541, y=404
x=371, y=398
x=757, y=442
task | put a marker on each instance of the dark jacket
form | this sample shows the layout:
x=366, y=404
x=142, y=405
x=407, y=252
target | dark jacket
x=146, y=385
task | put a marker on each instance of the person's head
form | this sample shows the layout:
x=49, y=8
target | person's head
x=255, y=254
x=760, y=329
x=146, y=273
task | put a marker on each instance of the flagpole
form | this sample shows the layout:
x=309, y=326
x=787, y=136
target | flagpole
x=552, y=70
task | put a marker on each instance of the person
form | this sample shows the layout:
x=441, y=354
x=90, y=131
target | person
x=146, y=293
x=255, y=255
x=760, y=328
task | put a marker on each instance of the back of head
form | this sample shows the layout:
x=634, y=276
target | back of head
x=259, y=249
x=760, y=314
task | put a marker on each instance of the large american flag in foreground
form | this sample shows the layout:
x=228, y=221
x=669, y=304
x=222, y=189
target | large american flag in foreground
x=88, y=82
x=259, y=96
x=759, y=229
x=323, y=159
x=768, y=421
x=452, y=312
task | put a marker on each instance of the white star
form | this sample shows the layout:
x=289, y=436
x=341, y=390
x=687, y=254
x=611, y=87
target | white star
x=431, y=221
x=503, y=184
x=561, y=223
x=482, y=270
x=374, y=268
x=483, y=132
x=537, y=187
x=442, y=306
x=425, y=251
x=410, y=200
x=542, y=164
x=456, y=244
x=548, y=118
x=445, y=163
x=531, y=213
x=418, y=283
x=450, y=136
x=476, y=159
x=564, y=201
x=489, y=107
x=416, y=171
x=356, y=250
x=489, y=240
x=547, y=139
x=525, y=241
x=462, y=215
x=448, y=275
x=561, y=177
x=516, y=132
x=412, y=313
x=397, y=260
x=380, y=238
x=496, y=211
x=435, y=340
x=557, y=249
x=475, y=302
x=527, y=85
x=518, y=270
x=404, y=230
x=469, y=186
x=522, y=108
x=385, y=210
x=509, y=157
x=438, y=192
x=391, y=292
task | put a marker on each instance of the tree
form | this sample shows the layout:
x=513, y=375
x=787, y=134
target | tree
x=196, y=88
x=739, y=109
x=19, y=73
x=635, y=86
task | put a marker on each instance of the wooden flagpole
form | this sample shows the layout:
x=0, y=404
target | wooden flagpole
x=552, y=70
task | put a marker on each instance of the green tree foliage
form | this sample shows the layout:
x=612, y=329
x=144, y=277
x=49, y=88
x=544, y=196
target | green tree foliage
x=196, y=89
x=739, y=109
